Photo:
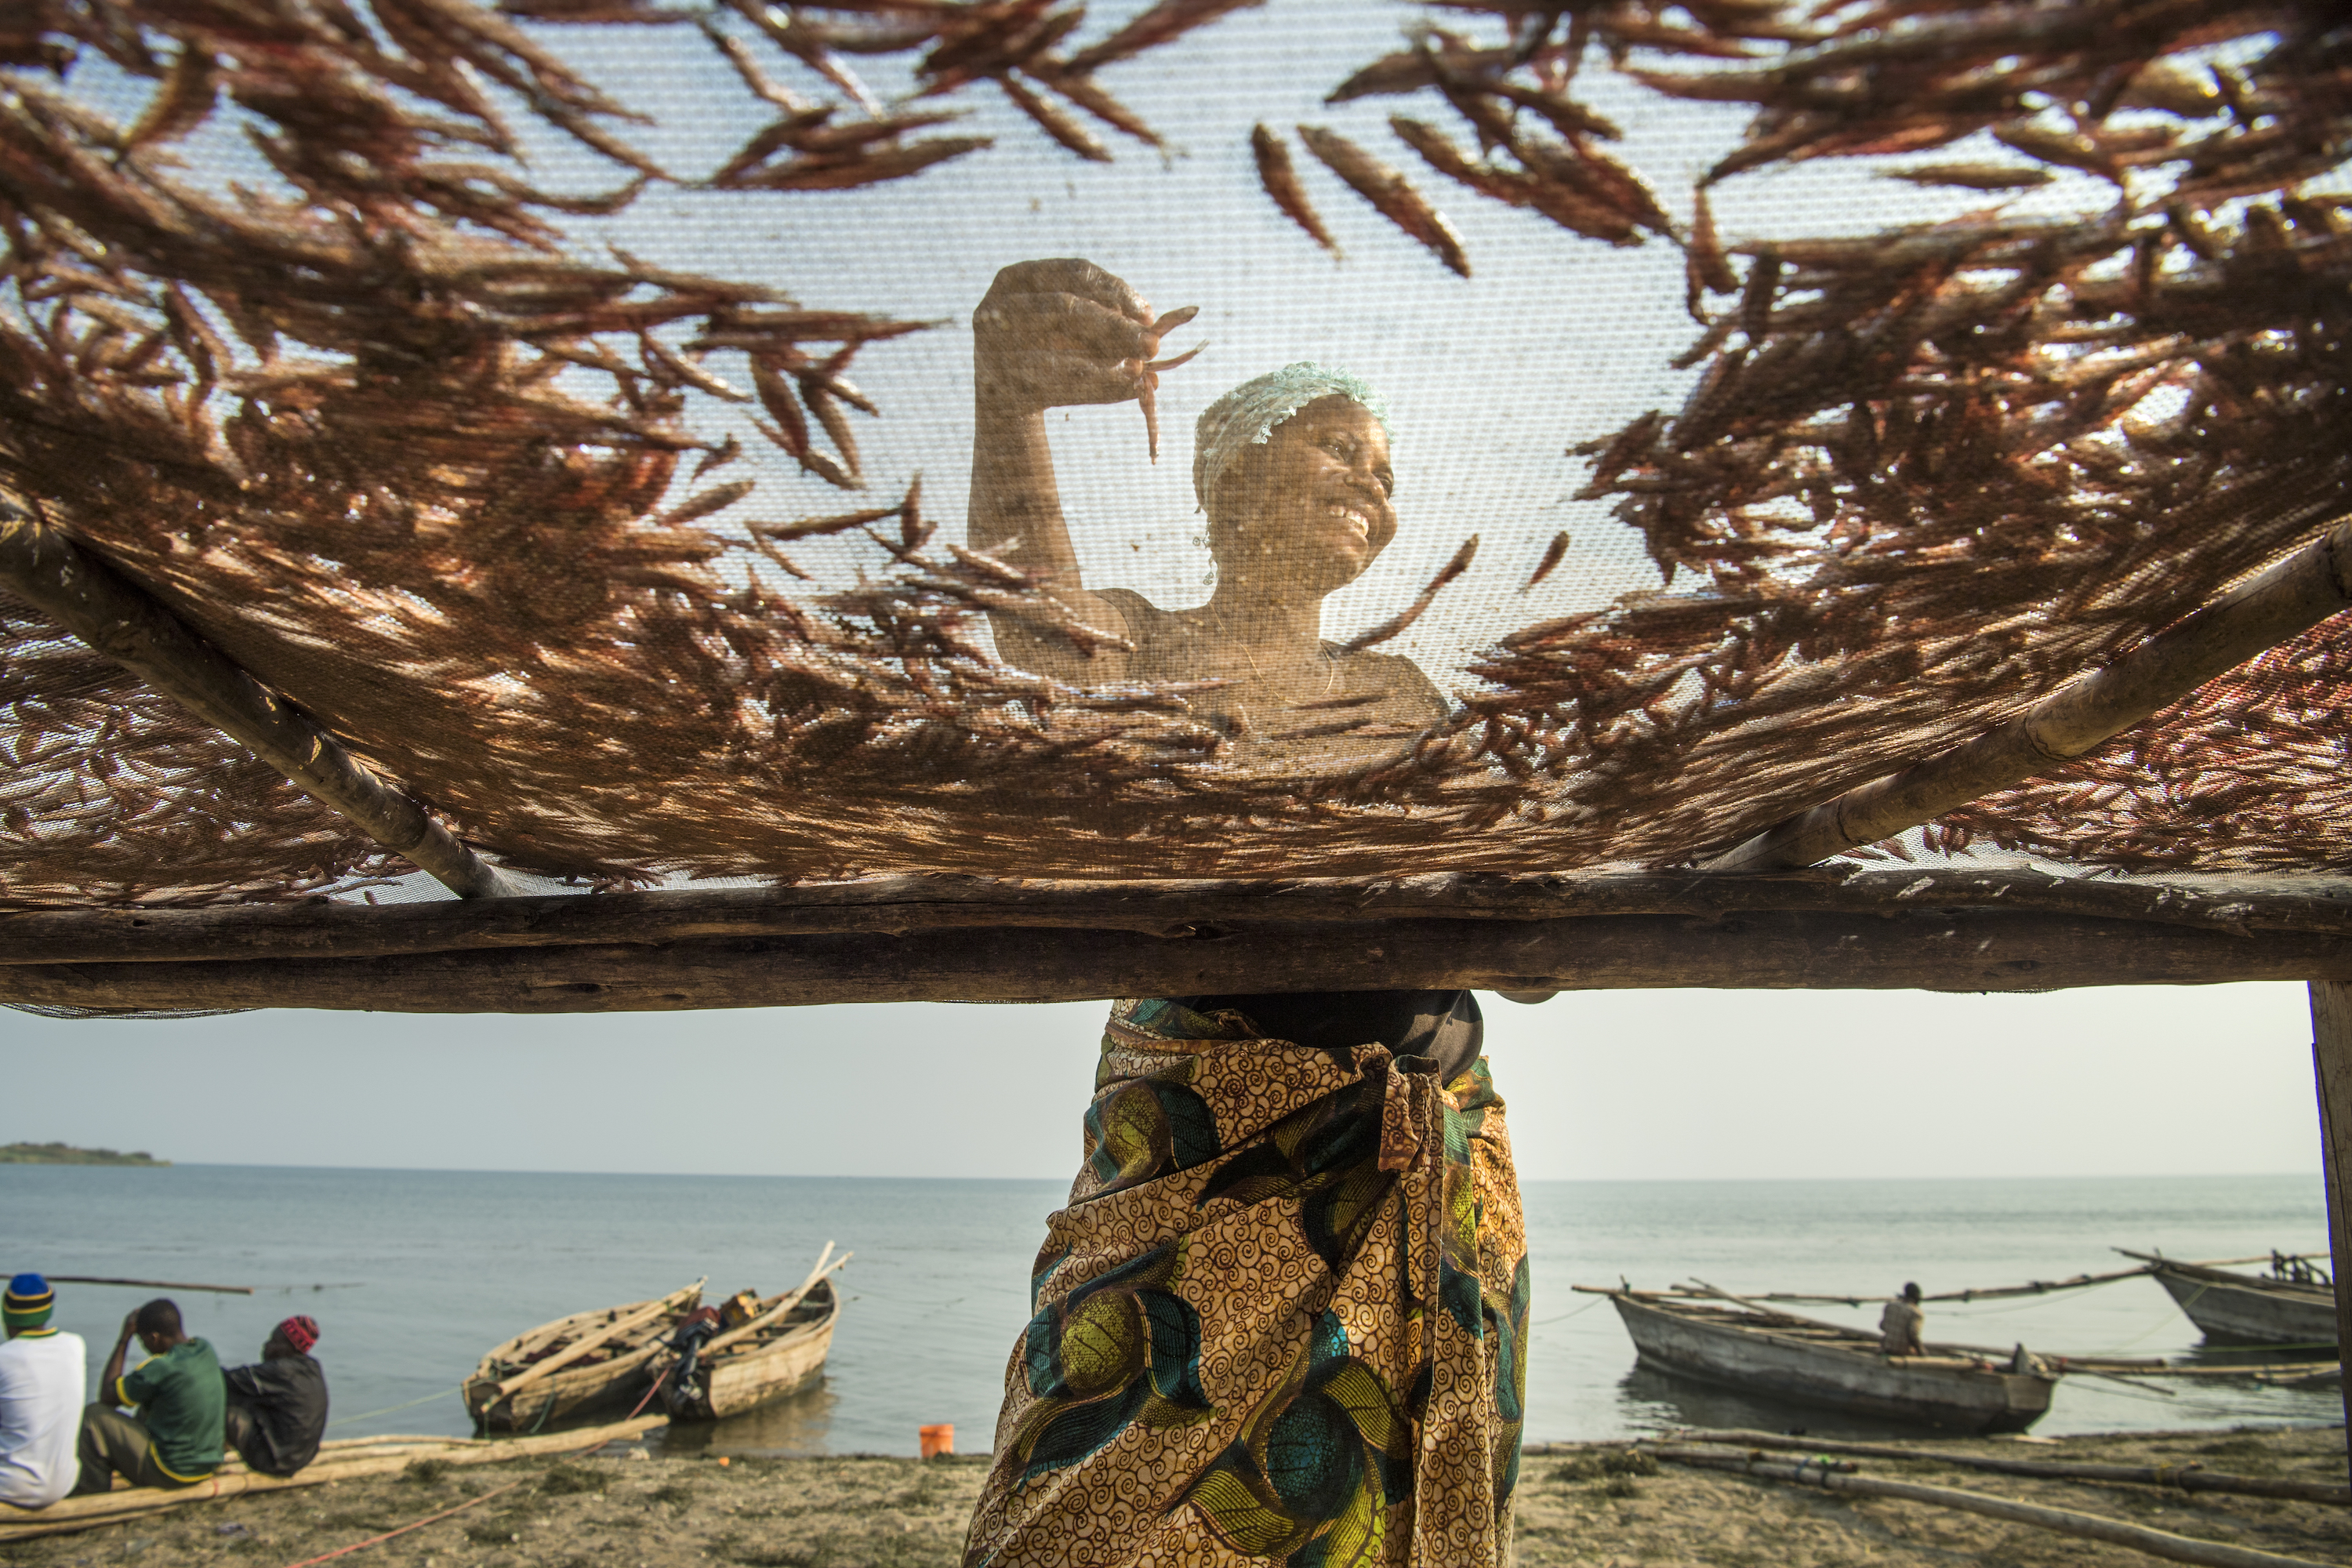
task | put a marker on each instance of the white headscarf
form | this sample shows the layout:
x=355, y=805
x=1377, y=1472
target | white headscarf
x=1248, y=414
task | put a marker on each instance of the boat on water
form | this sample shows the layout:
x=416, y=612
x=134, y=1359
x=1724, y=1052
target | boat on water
x=776, y=1354
x=1736, y=1344
x=584, y=1364
x=2293, y=1305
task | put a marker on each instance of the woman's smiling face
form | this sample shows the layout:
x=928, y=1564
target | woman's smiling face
x=1311, y=505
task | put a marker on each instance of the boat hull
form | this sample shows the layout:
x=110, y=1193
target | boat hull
x=2237, y=1311
x=587, y=1389
x=565, y=1397
x=1925, y=1392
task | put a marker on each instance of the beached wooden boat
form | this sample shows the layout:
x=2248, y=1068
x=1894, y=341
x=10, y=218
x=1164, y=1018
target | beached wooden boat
x=1781, y=1357
x=718, y=1365
x=579, y=1365
x=2279, y=1308
x=779, y=1356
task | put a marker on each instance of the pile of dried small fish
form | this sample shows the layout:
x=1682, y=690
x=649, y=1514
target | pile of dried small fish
x=381, y=434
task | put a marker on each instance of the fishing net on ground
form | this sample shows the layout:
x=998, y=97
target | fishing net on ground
x=571, y=405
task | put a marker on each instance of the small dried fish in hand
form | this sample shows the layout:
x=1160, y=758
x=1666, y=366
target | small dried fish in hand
x=1147, y=376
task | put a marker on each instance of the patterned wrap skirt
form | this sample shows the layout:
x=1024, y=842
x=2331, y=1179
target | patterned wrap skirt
x=1282, y=1320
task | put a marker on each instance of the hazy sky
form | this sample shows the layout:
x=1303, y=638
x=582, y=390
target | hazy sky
x=1600, y=1085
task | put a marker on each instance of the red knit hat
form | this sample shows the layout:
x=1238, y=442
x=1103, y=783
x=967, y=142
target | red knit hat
x=300, y=1332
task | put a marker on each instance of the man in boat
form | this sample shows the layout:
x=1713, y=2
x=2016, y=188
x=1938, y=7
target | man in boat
x=40, y=1396
x=176, y=1439
x=278, y=1406
x=1899, y=1325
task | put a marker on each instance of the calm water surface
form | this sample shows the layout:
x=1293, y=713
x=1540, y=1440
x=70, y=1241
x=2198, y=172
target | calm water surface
x=414, y=1274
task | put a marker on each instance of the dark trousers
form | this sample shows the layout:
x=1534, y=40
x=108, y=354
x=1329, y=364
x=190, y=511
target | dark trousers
x=113, y=1444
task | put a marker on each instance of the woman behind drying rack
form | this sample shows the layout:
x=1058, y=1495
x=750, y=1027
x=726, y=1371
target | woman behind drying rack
x=1282, y=1319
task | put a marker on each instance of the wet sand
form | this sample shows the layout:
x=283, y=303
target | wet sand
x=612, y=1510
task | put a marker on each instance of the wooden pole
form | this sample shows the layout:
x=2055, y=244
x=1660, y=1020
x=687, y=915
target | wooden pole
x=2064, y=1521
x=2247, y=908
x=2331, y=1060
x=233, y=1479
x=2284, y=602
x=1972, y=950
x=2188, y=1477
x=149, y=1284
x=87, y=597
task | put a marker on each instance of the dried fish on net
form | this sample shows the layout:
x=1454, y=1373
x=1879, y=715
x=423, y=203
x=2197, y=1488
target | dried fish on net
x=400, y=450
x=110, y=793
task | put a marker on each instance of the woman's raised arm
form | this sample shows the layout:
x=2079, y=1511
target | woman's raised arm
x=1049, y=334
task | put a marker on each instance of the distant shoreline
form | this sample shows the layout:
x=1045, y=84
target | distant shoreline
x=66, y=1154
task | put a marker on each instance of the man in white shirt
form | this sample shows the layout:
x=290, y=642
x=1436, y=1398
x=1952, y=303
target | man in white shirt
x=41, y=1396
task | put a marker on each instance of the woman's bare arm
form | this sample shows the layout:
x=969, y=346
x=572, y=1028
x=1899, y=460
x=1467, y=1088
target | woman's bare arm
x=1049, y=334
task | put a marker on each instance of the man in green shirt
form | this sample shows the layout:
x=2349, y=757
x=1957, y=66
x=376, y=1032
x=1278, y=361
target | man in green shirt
x=176, y=1439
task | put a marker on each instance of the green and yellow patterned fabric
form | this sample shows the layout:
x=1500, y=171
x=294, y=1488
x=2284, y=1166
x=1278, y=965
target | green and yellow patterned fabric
x=1282, y=1320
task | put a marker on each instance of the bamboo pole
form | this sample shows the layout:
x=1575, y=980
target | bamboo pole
x=149, y=1284
x=2241, y=906
x=1964, y=950
x=2331, y=1060
x=785, y=1304
x=2289, y=599
x=2064, y=1521
x=586, y=1343
x=2188, y=1477
x=78, y=590
x=2158, y=1263
x=76, y=1513
x=2030, y=1288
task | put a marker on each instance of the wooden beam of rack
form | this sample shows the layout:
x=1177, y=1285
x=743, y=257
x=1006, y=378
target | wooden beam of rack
x=87, y=597
x=2286, y=601
x=2243, y=907
x=1973, y=950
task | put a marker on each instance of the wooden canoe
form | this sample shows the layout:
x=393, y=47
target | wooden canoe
x=773, y=1363
x=2231, y=1308
x=599, y=1361
x=1780, y=1356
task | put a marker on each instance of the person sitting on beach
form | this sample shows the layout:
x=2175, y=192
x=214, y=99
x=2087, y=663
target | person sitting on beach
x=278, y=1406
x=176, y=1439
x=1899, y=1325
x=40, y=1396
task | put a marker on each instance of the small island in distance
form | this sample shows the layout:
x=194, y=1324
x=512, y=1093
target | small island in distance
x=66, y=1154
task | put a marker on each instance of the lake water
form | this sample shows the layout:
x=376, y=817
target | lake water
x=414, y=1274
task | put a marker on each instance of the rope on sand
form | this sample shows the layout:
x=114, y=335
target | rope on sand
x=403, y=1530
x=598, y=1442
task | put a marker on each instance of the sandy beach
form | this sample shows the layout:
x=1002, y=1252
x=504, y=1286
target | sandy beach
x=1577, y=1505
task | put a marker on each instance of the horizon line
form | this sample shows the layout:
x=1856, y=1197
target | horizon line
x=2313, y=1172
